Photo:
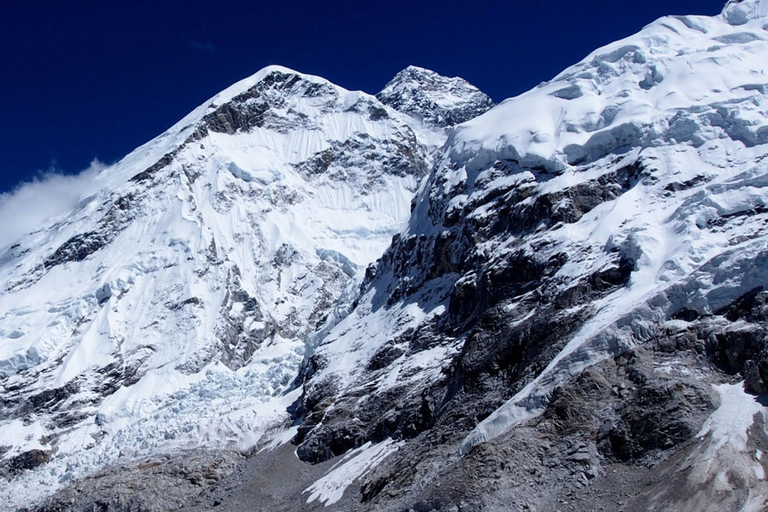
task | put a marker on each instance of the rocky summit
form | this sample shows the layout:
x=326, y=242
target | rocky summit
x=306, y=298
x=434, y=99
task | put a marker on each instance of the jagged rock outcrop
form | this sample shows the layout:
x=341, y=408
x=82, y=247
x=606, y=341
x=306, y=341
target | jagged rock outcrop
x=434, y=99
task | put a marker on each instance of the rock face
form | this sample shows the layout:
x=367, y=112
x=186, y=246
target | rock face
x=573, y=315
x=436, y=100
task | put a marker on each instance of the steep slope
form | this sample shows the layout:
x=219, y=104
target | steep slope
x=436, y=100
x=580, y=285
x=169, y=310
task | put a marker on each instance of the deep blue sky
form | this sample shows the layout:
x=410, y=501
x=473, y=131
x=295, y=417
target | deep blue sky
x=87, y=78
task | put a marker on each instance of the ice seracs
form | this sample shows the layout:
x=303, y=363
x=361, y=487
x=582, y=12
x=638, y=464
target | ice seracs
x=740, y=12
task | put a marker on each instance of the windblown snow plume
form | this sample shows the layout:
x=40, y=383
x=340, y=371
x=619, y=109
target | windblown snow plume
x=31, y=205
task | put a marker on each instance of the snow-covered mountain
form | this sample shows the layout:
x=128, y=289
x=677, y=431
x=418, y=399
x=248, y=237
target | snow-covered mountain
x=170, y=308
x=572, y=313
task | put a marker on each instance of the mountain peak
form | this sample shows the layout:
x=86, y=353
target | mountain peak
x=740, y=12
x=266, y=74
x=435, y=99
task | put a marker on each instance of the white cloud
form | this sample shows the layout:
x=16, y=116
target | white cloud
x=34, y=203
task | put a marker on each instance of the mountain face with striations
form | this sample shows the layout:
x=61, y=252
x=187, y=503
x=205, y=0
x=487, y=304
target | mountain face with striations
x=305, y=298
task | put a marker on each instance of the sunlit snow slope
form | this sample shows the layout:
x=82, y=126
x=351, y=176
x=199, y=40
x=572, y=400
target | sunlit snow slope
x=170, y=309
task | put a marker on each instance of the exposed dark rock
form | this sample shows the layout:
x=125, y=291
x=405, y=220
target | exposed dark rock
x=77, y=248
x=516, y=216
x=25, y=461
x=115, y=375
x=377, y=113
x=50, y=399
x=80, y=246
x=386, y=356
x=590, y=425
x=686, y=314
x=660, y=416
x=677, y=186
x=230, y=118
x=192, y=301
x=367, y=157
x=161, y=164
x=255, y=108
x=328, y=442
x=238, y=344
x=752, y=307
